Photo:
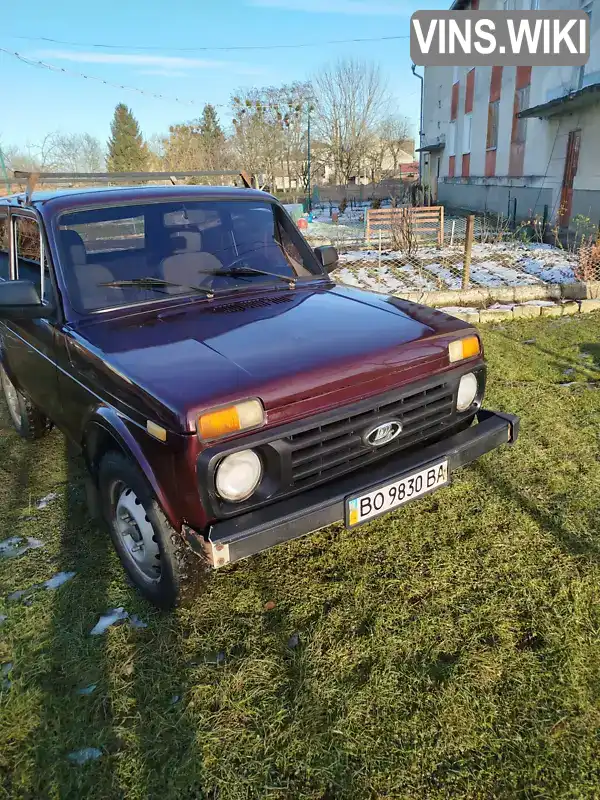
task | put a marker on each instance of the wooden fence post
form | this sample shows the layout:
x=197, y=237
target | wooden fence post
x=468, y=248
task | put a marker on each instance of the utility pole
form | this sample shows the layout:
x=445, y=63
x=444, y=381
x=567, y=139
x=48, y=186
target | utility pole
x=308, y=166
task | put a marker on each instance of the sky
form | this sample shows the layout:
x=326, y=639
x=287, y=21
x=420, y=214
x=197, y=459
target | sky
x=161, y=50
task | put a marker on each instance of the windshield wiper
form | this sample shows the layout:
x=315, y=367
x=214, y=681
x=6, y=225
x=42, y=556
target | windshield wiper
x=233, y=271
x=156, y=283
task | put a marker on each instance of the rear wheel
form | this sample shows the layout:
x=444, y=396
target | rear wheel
x=143, y=538
x=28, y=420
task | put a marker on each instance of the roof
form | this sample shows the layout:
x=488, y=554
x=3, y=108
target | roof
x=59, y=199
x=566, y=104
x=431, y=148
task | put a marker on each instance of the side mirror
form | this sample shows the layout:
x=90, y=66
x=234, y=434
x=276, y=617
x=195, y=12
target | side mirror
x=20, y=300
x=328, y=257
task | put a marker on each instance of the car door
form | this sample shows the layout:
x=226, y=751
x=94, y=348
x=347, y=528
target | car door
x=28, y=346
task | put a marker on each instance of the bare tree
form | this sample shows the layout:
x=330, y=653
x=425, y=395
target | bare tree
x=182, y=149
x=156, y=152
x=76, y=152
x=64, y=152
x=394, y=132
x=270, y=129
x=257, y=138
x=351, y=97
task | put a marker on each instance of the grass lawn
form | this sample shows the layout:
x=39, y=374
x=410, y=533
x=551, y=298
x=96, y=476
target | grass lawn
x=448, y=650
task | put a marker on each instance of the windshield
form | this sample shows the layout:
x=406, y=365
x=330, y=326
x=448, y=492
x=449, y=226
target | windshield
x=114, y=256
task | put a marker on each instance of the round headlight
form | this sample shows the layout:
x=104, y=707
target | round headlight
x=238, y=475
x=467, y=392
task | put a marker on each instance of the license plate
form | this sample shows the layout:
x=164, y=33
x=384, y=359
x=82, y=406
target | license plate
x=392, y=495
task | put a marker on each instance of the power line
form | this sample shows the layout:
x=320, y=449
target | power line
x=54, y=68
x=227, y=48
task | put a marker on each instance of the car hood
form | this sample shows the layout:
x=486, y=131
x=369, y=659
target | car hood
x=300, y=351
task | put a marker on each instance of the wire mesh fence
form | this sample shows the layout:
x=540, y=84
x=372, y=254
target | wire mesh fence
x=438, y=251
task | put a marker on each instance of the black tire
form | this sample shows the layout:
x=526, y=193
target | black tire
x=28, y=421
x=116, y=475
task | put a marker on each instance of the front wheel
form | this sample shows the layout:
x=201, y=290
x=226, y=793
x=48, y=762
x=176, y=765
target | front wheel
x=28, y=420
x=143, y=538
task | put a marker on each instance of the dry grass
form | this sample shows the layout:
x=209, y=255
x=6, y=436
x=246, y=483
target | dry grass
x=448, y=650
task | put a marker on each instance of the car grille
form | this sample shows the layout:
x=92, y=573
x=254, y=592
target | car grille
x=332, y=448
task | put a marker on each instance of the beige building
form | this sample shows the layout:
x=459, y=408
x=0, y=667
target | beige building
x=516, y=138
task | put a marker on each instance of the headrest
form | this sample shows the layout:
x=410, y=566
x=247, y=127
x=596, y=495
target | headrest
x=186, y=242
x=75, y=247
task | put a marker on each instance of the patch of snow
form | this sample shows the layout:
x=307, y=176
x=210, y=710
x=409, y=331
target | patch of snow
x=116, y=615
x=5, y=671
x=562, y=273
x=451, y=280
x=491, y=273
x=45, y=501
x=540, y=303
x=540, y=246
x=17, y=546
x=58, y=579
x=502, y=307
x=459, y=310
x=346, y=276
x=87, y=690
x=17, y=595
x=136, y=622
x=52, y=583
x=83, y=756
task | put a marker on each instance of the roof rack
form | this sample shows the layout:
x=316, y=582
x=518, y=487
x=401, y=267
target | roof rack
x=58, y=178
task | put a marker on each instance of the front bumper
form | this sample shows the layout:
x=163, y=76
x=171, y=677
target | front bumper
x=239, y=537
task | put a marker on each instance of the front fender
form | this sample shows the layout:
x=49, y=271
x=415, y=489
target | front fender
x=107, y=421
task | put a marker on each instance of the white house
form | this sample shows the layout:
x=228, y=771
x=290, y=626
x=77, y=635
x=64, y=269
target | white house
x=493, y=137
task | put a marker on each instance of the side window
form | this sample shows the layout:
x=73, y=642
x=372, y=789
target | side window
x=4, y=269
x=28, y=255
x=27, y=246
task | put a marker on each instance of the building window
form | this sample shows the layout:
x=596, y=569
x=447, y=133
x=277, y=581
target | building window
x=521, y=103
x=467, y=120
x=455, y=75
x=534, y=5
x=469, y=91
x=451, y=147
x=454, y=102
x=492, y=129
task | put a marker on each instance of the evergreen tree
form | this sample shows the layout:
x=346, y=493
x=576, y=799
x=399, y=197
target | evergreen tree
x=213, y=138
x=210, y=128
x=127, y=151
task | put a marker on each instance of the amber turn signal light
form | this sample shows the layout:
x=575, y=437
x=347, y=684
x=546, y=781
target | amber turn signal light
x=238, y=417
x=464, y=348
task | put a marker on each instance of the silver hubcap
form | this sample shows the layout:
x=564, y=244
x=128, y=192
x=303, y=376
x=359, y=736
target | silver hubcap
x=136, y=534
x=12, y=399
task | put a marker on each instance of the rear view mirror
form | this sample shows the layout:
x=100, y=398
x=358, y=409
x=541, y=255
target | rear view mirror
x=328, y=257
x=20, y=300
